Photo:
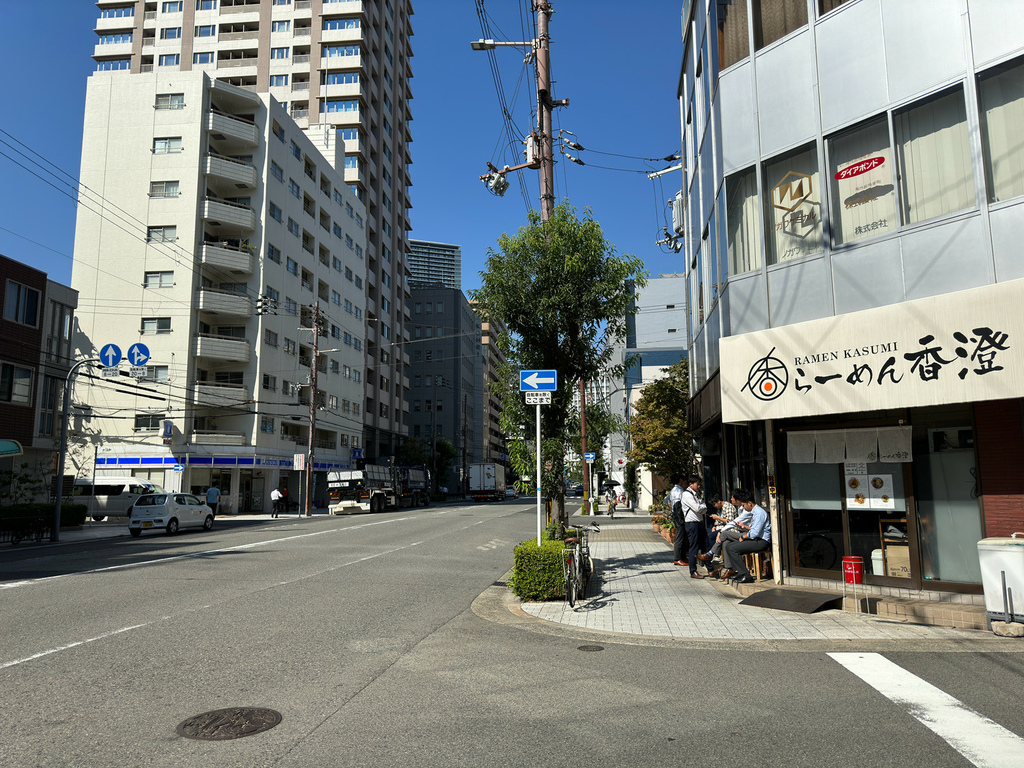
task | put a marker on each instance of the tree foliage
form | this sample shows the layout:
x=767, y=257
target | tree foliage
x=564, y=295
x=658, y=428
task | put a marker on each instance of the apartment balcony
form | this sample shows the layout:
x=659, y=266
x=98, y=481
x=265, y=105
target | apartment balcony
x=229, y=218
x=216, y=437
x=302, y=85
x=234, y=97
x=249, y=34
x=236, y=11
x=343, y=90
x=225, y=128
x=223, y=256
x=222, y=349
x=341, y=62
x=371, y=306
x=112, y=50
x=115, y=25
x=341, y=35
x=232, y=174
x=209, y=395
x=224, y=303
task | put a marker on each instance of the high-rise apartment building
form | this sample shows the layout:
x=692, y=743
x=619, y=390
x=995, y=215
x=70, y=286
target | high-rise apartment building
x=228, y=265
x=340, y=68
x=433, y=264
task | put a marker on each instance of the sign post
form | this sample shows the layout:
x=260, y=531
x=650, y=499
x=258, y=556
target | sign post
x=538, y=386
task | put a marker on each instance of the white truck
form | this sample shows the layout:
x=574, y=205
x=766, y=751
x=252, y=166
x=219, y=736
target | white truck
x=377, y=487
x=487, y=481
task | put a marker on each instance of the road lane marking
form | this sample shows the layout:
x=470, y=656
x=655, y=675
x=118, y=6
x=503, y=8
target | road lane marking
x=979, y=739
x=60, y=648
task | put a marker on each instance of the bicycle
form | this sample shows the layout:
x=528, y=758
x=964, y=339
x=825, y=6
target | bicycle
x=576, y=564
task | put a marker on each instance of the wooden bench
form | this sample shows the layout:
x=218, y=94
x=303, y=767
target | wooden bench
x=759, y=564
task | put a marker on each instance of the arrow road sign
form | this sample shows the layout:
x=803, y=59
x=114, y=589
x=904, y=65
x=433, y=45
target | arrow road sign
x=110, y=355
x=588, y=456
x=538, y=381
x=138, y=354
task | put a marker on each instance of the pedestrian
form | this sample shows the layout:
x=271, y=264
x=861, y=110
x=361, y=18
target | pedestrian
x=611, y=498
x=213, y=498
x=275, y=498
x=693, y=516
x=675, y=497
x=758, y=538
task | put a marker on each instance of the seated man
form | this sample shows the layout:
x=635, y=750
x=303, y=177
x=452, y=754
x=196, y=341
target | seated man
x=758, y=538
x=732, y=530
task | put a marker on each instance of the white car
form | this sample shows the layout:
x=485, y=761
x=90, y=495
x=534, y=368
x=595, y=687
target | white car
x=511, y=492
x=170, y=512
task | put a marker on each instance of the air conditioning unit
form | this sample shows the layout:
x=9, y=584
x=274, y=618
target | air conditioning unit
x=679, y=213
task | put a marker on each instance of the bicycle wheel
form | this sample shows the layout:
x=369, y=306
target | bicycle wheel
x=570, y=579
x=816, y=551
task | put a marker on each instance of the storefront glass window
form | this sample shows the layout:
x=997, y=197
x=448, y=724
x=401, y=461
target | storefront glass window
x=949, y=520
x=877, y=518
x=817, y=514
x=863, y=196
x=793, y=205
x=934, y=153
x=1002, y=126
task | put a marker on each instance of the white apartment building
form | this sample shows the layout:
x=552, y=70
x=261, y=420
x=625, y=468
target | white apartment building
x=222, y=229
x=341, y=69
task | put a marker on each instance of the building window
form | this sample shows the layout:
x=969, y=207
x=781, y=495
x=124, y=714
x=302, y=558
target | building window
x=269, y=382
x=282, y=2
x=118, y=13
x=202, y=58
x=792, y=195
x=290, y=347
x=292, y=266
x=170, y=33
x=164, y=189
x=774, y=19
x=21, y=304
x=341, y=23
x=148, y=422
x=170, y=101
x=153, y=325
x=206, y=5
x=276, y=171
x=340, y=50
x=280, y=26
x=206, y=30
x=296, y=152
x=824, y=6
x=15, y=384
x=934, y=154
x=335, y=366
x=293, y=227
x=337, y=230
x=274, y=211
x=733, y=44
x=1001, y=93
x=863, y=200
x=169, y=59
x=168, y=145
x=269, y=338
x=278, y=80
x=159, y=280
x=291, y=306
x=294, y=189
x=115, y=38
x=335, y=298
x=113, y=65
x=279, y=53
x=273, y=253
x=267, y=425
x=165, y=234
x=173, y=7
x=342, y=78
x=339, y=105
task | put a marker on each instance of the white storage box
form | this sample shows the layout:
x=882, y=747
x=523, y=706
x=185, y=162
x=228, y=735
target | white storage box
x=1001, y=557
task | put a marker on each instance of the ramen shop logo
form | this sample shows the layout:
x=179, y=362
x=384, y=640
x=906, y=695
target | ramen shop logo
x=767, y=378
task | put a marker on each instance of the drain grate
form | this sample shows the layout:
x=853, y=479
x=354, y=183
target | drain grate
x=231, y=723
x=590, y=648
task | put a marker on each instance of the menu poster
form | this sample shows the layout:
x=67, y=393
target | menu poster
x=880, y=492
x=857, y=492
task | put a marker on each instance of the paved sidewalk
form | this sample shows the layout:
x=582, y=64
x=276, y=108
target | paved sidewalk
x=637, y=590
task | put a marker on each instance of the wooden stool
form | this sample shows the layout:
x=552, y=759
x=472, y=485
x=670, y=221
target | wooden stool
x=758, y=563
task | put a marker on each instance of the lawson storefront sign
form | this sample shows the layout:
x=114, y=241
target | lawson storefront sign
x=956, y=348
x=171, y=462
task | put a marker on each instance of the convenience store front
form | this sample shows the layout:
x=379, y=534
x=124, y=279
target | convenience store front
x=888, y=428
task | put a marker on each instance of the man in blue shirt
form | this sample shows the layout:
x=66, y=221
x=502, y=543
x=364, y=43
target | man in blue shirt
x=212, y=498
x=758, y=538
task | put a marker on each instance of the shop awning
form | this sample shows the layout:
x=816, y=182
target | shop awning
x=10, y=448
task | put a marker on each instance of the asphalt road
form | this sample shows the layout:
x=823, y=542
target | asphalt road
x=382, y=641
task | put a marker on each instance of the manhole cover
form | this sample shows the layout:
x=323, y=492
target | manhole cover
x=590, y=648
x=231, y=723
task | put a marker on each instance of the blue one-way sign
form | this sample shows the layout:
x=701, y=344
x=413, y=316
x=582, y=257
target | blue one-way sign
x=138, y=354
x=538, y=381
x=110, y=355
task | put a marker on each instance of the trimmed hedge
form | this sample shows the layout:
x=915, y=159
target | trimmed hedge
x=537, y=572
x=70, y=514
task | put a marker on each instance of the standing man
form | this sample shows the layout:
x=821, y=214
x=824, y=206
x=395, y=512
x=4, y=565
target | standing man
x=758, y=538
x=693, y=516
x=275, y=498
x=213, y=498
x=675, y=502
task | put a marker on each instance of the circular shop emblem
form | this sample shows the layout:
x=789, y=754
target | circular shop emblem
x=767, y=378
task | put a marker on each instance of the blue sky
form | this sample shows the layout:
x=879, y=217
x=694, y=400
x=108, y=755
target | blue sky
x=618, y=64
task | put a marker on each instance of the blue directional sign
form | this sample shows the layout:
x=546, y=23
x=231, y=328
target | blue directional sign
x=138, y=354
x=357, y=453
x=538, y=381
x=589, y=456
x=110, y=355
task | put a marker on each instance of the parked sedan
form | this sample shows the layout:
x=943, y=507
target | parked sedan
x=169, y=511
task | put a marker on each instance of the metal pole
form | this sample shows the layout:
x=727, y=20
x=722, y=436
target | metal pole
x=312, y=410
x=583, y=446
x=544, y=129
x=539, y=514
x=55, y=535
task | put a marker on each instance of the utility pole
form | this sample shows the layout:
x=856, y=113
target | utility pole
x=544, y=105
x=317, y=327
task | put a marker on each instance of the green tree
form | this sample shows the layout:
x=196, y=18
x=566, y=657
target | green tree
x=412, y=452
x=444, y=460
x=657, y=427
x=564, y=295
